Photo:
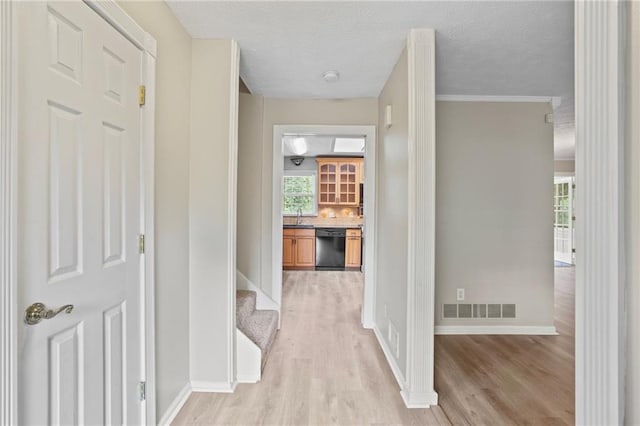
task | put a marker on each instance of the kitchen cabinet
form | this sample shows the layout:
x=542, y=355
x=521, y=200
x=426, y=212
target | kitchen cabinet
x=298, y=248
x=353, y=249
x=338, y=181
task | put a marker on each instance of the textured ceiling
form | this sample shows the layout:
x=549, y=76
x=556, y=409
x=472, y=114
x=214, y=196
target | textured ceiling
x=497, y=48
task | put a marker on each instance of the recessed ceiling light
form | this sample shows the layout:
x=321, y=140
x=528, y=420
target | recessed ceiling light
x=331, y=76
x=297, y=145
x=352, y=145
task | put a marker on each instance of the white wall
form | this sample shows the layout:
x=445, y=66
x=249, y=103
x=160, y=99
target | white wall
x=632, y=213
x=257, y=178
x=173, y=93
x=212, y=248
x=494, y=209
x=392, y=204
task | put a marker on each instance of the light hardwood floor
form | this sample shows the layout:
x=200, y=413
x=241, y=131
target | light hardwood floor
x=324, y=368
x=508, y=380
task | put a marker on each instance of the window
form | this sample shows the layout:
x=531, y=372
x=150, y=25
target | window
x=299, y=192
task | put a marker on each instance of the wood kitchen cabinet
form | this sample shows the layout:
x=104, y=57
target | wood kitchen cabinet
x=353, y=249
x=338, y=181
x=298, y=248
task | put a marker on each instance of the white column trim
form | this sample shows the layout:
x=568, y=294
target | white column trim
x=419, y=390
x=232, y=203
x=600, y=325
x=8, y=215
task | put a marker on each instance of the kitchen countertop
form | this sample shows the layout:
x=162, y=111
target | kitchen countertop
x=311, y=226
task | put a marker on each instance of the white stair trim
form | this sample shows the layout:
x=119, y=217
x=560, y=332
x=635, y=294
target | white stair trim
x=175, y=406
x=531, y=330
x=248, y=359
x=263, y=301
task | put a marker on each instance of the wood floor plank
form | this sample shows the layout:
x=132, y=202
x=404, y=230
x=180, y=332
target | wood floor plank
x=506, y=380
x=323, y=368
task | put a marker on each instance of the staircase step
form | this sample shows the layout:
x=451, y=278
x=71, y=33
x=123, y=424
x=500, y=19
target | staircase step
x=245, y=305
x=261, y=328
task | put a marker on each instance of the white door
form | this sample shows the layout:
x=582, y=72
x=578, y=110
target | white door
x=563, y=224
x=79, y=217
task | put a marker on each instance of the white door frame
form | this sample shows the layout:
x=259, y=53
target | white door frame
x=9, y=310
x=368, y=304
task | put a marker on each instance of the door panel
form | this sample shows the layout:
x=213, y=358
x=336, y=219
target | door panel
x=79, y=188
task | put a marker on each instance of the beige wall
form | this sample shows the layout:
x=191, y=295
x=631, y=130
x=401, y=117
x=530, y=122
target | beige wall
x=392, y=204
x=173, y=79
x=298, y=111
x=493, y=206
x=564, y=167
x=250, y=116
x=212, y=325
x=255, y=187
x=632, y=213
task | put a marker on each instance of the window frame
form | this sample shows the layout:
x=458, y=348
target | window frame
x=294, y=173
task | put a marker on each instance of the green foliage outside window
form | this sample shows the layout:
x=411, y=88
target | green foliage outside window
x=298, y=192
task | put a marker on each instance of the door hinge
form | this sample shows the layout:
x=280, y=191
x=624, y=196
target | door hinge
x=141, y=243
x=142, y=388
x=142, y=95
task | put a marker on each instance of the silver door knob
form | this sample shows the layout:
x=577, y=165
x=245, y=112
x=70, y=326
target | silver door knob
x=38, y=311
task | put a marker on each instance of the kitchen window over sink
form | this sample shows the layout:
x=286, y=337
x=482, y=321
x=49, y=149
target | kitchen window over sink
x=299, y=191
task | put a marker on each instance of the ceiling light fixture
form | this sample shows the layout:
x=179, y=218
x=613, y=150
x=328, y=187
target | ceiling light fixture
x=297, y=160
x=331, y=76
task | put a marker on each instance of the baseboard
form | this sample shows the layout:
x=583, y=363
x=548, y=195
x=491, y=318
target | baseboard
x=395, y=368
x=419, y=399
x=246, y=378
x=532, y=330
x=220, y=387
x=175, y=406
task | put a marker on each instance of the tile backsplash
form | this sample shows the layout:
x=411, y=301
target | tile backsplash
x=329, y=216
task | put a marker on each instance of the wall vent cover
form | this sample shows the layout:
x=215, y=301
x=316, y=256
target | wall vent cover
x=478, y=310
x=450, y=310
x=464, y=310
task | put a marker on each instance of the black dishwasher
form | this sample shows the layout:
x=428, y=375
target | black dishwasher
x=330, y=243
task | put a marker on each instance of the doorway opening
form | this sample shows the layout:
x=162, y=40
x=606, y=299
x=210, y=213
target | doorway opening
x=323, y=206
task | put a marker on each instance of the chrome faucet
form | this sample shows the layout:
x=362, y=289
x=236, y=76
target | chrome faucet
x=299, y=216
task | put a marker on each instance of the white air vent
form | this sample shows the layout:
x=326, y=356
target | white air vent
x=478, y=310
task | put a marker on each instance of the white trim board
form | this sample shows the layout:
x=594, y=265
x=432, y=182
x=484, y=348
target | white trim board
x=554, y=100
x=232, y=204
x=393, y=364
x=8, y=215
x=175, y=406
x=215, y=387
x=369, y=207
x=529, y=330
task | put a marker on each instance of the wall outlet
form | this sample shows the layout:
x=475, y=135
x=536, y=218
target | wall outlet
x=460, y=294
